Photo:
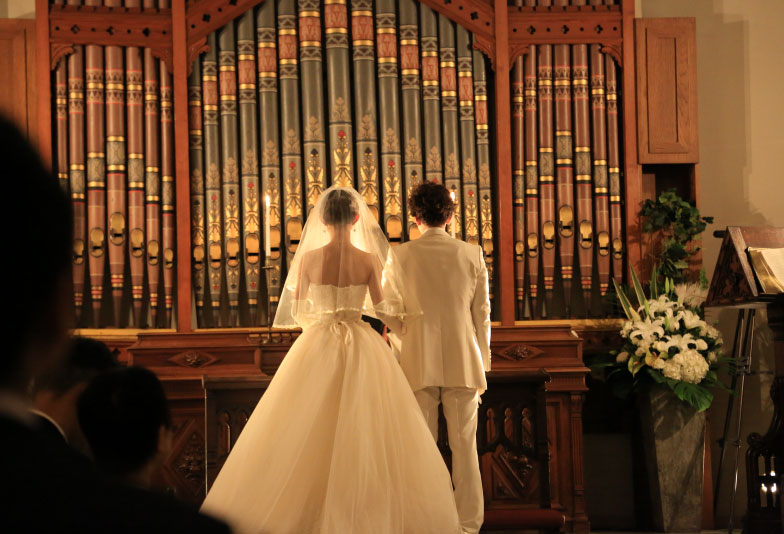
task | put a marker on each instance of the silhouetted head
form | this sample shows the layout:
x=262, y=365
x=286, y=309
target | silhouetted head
x=37, y=242
x=124, y=416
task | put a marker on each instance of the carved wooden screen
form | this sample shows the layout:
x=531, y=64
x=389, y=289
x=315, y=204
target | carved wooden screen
x=114, y=155
x=295, y=96
x=568, y=222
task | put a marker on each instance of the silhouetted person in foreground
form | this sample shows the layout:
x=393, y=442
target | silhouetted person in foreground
x=126, y=420
x=57, y=391
x=44, y=485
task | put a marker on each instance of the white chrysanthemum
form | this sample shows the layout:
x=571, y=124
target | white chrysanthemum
x=622, y=357
x=671, y=369
x=659, y=363
x=691, y=295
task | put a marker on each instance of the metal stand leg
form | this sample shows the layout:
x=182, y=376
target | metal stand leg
x=736, y=350
x=744, y=369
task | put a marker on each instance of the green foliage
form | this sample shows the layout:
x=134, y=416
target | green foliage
x=680, y=223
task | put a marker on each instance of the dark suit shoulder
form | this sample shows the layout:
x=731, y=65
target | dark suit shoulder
x=47, y=429
x=47, y=487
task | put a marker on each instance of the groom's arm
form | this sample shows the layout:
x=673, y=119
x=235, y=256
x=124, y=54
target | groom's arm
x=480, y=311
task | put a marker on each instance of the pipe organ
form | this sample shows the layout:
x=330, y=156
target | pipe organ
x=387, y=95
x=194, y=138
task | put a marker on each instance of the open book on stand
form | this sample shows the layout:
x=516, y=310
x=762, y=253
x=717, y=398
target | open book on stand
x=768, y=265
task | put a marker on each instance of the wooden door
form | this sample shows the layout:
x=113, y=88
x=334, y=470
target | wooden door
x=667, y=90
x=17, y=72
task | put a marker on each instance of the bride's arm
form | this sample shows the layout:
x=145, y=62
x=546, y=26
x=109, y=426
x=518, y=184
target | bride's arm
x=386, y=299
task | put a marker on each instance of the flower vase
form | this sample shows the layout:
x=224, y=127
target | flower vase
x=673, y=435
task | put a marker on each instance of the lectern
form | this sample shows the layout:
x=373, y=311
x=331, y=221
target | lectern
x=735, y=284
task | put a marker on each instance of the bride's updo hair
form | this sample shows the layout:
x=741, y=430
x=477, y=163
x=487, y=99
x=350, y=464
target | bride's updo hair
x=340, y=208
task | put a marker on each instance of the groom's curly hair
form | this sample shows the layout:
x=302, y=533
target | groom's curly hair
x=431, y=202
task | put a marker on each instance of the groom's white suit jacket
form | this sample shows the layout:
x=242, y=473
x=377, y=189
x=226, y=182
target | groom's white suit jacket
x=445, y=278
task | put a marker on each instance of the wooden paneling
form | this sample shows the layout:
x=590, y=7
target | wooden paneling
x=667, y=90
x=17, y=70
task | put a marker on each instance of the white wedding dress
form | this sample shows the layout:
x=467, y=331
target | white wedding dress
x=337, y=443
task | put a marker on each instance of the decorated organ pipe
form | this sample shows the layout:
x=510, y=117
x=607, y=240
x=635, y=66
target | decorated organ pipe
x=389, y=119
x=152, y=179
x=212, y=178
x=230, y=180
x=116, y=171
x=582, y=165
x=614, y=169
x=341, y=135
x=270, y=167
x=600, y=182
x=431, y=95
x=134, y=76
x=96, y=171
x=249, y=147
x=314, y=145
x=486, y=204
x=290, y=132
x=61, y=118
x=196, y=165
x=167, y=190
x=76, y=171
x=518, y=181
x=411, y=107
x=547, y=228
x=564, y=166
x=363, y=52
x=465, y=95
x=532, y=240
x=451, y=142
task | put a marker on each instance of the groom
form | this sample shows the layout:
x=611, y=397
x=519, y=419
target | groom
x=445, y=354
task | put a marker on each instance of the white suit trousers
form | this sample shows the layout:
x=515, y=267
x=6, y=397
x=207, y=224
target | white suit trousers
x=460, y=405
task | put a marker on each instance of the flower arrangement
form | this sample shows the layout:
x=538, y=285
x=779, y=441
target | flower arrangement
x=666, y=341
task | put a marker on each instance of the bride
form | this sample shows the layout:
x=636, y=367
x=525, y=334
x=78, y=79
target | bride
x=337, y=443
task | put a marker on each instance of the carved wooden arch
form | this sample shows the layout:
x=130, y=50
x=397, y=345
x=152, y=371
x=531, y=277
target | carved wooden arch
x=207, y=16
x=475, y=16
x=71, y=25
x=521, y=49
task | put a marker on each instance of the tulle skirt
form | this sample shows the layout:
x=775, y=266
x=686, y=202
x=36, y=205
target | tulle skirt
x=337, y=444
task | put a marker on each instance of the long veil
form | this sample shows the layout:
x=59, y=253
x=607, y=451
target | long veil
x=341, y=246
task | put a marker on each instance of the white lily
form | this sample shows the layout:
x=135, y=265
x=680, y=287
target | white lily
x=692, y=320
x=647, y=331
x=692, y=295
